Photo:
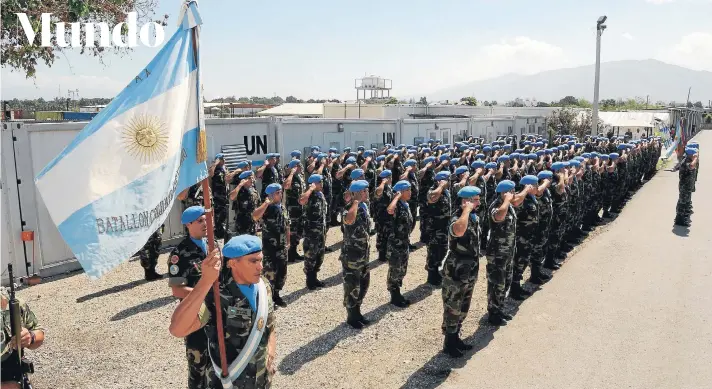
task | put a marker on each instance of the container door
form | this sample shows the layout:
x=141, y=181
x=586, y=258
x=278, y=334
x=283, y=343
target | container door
x=359, y=139
x=433, y=134
x=333, y=139
x=445, y=133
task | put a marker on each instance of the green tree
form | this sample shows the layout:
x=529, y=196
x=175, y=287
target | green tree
x=392, y=100
x=542, y=104
x=18, y=54
x=469, y=101
x=583, y=103
x=699, y=105
x=568, y=120
x=568, y=101
x=423, y=101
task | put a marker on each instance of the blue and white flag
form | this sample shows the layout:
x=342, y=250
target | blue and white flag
x=115, y=183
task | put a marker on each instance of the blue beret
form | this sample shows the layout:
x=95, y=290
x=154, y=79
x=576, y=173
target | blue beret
x=315, y=154
x=269, y=155
x=277, y=155
x=462, y=148
x=242, y=245
x=502, y=158
x=442, y=175
x=468, y=192
x=400, y=146
x=219, y=155
x=333, y=150
x=472, y=148
x=245, y=174
x=495, y=148
x=690, y=150
x=410, y=162
x=579, y=144
x=487, y=148
x=350, y=160
x=563, y=147
x=353, y=154
x=322, y=155
x=271, y=188
x=539, y=153
x=385, y=173
x=358, y=186
x=507, y=146
x=566, y=163
x=380, y=158
x=539, y=144
x=586, y=155
x=356, y=173
x=428, y=160
x=314, y=178
x=444, y=157
x=622, y=146
x=192, y=214
x=570, y=143
x=529, y=180
x=315, y=148
x=401, y=186
x=347, y=149
x=527, y=143
x=545, y=174
x=491, y=165
x=693, y=145
x=242, y=164
x=532, y=156
x=505, y=186
x=440, y=147
x=293, y=163
x=426, y=149
x=604, y=157
x=461, y=169
x=580, y=159
x=547, y=151
x=480, y=156
x=368, y=153
x=614, y=155
x=478, y=164
x=360, y=148
x=514, y=155
x=575, y=163
x=392, y=151
x=296, y=153
x=556, y=166
x=518, y=151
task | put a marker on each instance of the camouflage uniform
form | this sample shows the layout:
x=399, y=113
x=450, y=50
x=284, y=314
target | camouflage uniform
x=490, y=194
x=221, y=202
x=370, y=176
x=237, y=326
x=426, y=182
x=527, y=225
x=269, y=176
x=686, y=187
x=295, y=210
x=148, y=255
x=541, y=232
x=337, y=194
x=459, y=273
x=314, y=232
x=413, y=202
x=354, y=257
x=439, y=213
x=383, y=220
x=328, y=191
x=501, y=248
x=398, y=246
x=247, y=201
x=275, y=223
x=558, y=221
x=609, y=188
x=11, y=369
x=184, y=270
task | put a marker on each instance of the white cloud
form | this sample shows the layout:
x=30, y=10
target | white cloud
x=693, y=51
x=628, y=36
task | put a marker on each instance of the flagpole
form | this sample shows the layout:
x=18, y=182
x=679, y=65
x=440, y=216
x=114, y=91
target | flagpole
x=202, y=157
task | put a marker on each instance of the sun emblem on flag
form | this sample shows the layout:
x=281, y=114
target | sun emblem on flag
x=144, y=137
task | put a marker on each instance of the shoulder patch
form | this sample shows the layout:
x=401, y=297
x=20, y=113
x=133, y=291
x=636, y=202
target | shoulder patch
x=174, y=259
x=174, y=269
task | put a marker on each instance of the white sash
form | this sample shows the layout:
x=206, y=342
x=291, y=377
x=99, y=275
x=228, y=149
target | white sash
x=253, y=341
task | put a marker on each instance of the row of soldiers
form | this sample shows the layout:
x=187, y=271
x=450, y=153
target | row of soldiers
x=521, y=204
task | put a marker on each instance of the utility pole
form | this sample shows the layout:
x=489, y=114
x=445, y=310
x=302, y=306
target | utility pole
x=599, y=31
x=688, y=97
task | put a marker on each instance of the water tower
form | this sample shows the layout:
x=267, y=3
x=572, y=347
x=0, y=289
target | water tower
x=376, y=88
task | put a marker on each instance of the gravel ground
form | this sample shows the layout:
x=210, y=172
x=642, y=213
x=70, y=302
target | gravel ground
x=113, y=332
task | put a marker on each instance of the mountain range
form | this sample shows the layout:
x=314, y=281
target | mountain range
x=656, y=80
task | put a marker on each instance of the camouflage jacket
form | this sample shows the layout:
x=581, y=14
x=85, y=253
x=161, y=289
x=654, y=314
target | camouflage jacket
x=237, y=320
x=439, y=214
x=315, y=213
x=219, y=186
x=195, y=196
x=426, y=182
x=382, y=204
x=293, y=194
x=528, y=214
x=184, y=263
x=246, y=202
x=269, y=176
x=399, y=235
x=545, y=209
x=468, y=245
x=687, y=174
x=275, y=223
x=27, y=320
x=356, y=237
x=502, y=234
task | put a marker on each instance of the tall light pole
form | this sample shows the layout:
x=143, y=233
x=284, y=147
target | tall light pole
x=599, y=31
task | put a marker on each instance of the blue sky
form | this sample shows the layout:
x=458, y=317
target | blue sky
x=315, y=49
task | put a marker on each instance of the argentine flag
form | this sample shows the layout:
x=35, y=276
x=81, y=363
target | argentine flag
x=115, y=183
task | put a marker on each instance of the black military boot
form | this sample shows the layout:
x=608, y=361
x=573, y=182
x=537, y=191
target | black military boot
x=318, y=283
x=398, y=300
x=412, y=247
x=550, y=263
x=450, y=346
x=496, y=319
x=151, y=275
x=277, y=299
x=312, y=281
x=362, y=319
x=334, y=221
x=462, y=345
x=538, y=277
x=353, y=318
x=293, y=255
x=382, y=256
x=518, y=293
x=434, y=278
x=506, y=316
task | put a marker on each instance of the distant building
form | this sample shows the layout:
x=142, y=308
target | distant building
x=92, y=108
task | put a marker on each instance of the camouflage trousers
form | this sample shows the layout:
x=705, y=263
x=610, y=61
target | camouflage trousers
x=314, y=248
x=245, y=226
x=424, y=220
x=357, y=277
x=556, y=232
x=221, y=214
x=499, y=279
x=457, y=295
x=148, y=256
x=247, y=380
x=397, y=267
x=413, y=205
x=382, y=231
x=198, y=367
x=684, y=203
x=436, y=255
x=525, y=254
x=275, y=267
x=539, y=244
